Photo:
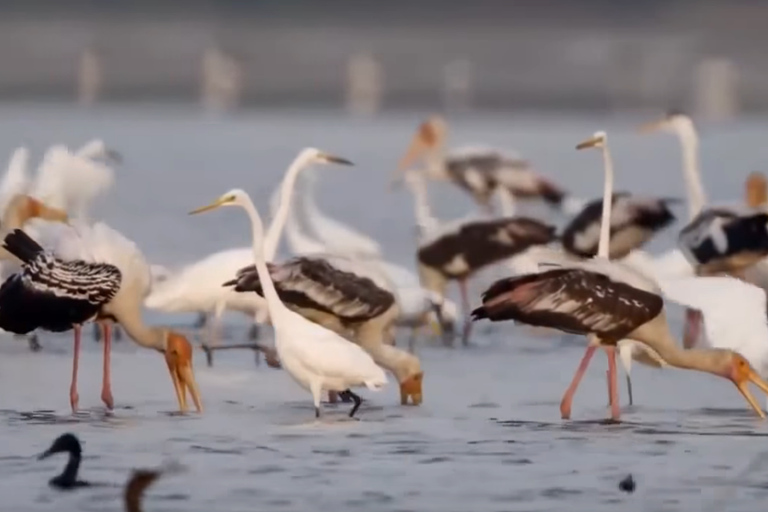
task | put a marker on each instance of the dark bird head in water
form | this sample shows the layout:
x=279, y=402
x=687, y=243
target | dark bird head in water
x=64, y=443
x=140, y=480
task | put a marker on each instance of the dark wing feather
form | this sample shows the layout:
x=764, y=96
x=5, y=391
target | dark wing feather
x=485, y=242
x=718, y=233
x=54, y=295
x=314, y=283
x=571, y=300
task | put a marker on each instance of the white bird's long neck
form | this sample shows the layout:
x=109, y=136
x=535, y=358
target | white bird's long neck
x=424, y=218
x=605, y=223
x=276, y=306
x=506, y=201
x=272, y=239
x=689, y=142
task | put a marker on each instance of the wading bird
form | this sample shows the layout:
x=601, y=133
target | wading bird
x=93, y=273
x=317, y=358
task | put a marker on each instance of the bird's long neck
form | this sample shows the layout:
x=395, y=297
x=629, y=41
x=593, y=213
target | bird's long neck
x=689, y=142
x=71, y=469
x=271, y=241
x=131, y=320
x=605, y=223
x=665, y=345
x=425, y=220
x=399, y=362
x=276, y=306
x=507, y=201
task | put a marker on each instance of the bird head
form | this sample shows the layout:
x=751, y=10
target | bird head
x=737, y=369
x=429, y=136
x=235, y=197
x=64, y=443
x=411, y=388
x=596, y=141
x=673, y=121
x=178, y=357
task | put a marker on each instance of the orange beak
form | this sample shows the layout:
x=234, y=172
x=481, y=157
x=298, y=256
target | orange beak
x=741, y=377
x=411, y=388
x=178, y=357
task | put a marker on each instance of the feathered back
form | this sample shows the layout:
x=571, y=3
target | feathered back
x=70, y=182
x=16, y=180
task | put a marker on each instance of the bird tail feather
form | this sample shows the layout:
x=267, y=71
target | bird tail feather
x=22, y=245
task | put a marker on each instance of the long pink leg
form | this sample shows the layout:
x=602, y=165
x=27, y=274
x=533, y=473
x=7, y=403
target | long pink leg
x=465, y=311
x=565, y=403
x=692, y=329
x=613, y=384
x=74, y=398
x=106, y=384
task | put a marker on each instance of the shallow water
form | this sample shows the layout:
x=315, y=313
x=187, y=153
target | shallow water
x=488, y=436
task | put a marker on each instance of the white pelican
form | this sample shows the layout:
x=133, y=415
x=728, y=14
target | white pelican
x=93, y=273
x=478, y=170
x=317, y=358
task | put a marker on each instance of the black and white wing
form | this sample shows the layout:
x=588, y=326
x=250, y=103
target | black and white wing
x=571, y=300
x=719, y=234
x=50, y=293
x=634, y=221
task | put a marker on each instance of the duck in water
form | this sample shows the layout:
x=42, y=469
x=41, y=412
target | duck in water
x=67, y=480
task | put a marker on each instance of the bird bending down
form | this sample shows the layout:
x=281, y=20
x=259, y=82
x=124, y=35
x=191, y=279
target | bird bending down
x=317, y=358
x=350, y=296
x=94, y=273
x=625, y=346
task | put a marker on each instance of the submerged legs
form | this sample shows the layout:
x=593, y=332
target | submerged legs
x=565, y=403
x=106, y=384
x=74, y=398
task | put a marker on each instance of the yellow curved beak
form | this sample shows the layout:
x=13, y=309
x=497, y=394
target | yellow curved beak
x=435, y=327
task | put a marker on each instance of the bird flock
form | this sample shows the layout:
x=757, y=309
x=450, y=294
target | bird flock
x=337, y=304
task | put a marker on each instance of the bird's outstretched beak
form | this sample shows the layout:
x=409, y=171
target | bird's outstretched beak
x=47, y=453
x=333, y=159
x=411, y=388
x=217, y=203
x=589, y=143
x=742, y=375
x=178, y=356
